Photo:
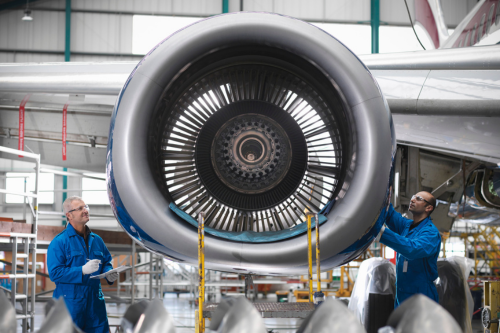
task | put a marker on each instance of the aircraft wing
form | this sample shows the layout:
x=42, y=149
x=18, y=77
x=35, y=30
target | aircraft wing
x=444, y=100
x=441, y=100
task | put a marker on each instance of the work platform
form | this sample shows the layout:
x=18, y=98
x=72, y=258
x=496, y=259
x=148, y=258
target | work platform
x=270, y=310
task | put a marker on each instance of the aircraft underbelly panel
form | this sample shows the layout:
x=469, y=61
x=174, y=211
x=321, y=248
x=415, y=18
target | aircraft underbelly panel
x=476, y=137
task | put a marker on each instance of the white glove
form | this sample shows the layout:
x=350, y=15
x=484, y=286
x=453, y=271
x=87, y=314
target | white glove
x=112, y=277
x=91, y=267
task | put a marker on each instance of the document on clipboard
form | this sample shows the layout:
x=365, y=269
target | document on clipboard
x=114, y=270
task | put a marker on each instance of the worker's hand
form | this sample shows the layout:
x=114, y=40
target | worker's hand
x=112, y=277
x=91, y=267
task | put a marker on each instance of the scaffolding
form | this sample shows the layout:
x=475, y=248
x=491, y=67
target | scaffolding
x=485, y=250
x=154, y=268
x=26, y=242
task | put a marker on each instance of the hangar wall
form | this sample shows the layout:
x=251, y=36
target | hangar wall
x=102, y=30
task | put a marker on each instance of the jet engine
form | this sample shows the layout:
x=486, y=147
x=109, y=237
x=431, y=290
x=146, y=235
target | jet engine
x=254, y=119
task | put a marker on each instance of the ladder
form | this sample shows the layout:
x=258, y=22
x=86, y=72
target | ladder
x=26, y=242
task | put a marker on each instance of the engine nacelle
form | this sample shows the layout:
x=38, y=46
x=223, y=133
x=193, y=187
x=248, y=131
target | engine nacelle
x=254, y=119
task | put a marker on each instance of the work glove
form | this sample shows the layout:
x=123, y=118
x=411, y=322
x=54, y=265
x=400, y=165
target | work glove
x=91, y=267
x=112, y=277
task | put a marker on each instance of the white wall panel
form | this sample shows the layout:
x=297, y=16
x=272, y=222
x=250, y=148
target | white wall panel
x=235, y=6
x=260, y=5
x=45, y=32
x=314, y=10
x=34, y=57
x=96, y=58
x=455, y=11
x=112, y=33
x=394, y=12
x=348, y=10
x=55, y=4
x=202, y=7
x=158, y=7
x=7, y=57
x=108, y=33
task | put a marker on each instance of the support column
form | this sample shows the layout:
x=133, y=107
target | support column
x=133, y=263
x=397, y=179
x=225, y=6
x=3, y=197
x=413, y=183
x=67, y=44
x=151, y=269
x=375, y=23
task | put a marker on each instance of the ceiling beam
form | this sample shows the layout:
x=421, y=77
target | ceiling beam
x=15, y=4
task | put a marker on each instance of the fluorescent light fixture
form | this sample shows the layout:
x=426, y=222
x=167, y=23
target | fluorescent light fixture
x=27, y=15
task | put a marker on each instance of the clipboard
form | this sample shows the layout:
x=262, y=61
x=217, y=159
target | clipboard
x=114, y=270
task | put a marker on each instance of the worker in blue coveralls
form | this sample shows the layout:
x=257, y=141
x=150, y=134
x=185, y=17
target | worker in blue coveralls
x=73, y=256
x=417, y=243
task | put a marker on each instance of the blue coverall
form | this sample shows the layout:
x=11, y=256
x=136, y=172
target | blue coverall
x=66, y=255
x=417, y=254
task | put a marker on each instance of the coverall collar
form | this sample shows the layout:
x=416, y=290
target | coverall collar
x=421, y=223
x=72, y=232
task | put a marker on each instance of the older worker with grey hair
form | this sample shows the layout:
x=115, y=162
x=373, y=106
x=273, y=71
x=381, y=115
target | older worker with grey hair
x=73, y=256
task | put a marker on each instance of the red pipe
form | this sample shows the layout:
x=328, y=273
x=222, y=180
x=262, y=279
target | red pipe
x=44, y=271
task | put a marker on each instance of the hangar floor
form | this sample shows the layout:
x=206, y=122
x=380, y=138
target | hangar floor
x=182, y=313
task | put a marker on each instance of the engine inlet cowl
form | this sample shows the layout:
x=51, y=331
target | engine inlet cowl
x=254, y=119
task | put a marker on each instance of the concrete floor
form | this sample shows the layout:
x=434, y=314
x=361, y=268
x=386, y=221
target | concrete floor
x=183, y=315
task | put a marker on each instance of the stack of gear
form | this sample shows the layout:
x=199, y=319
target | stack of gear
x=147, y=317
x=420, y=314
x=8, y=321
x=331, y=316
x=237, y=315
x=58, y=319
x=372, y=299
x=132, y=315
x=453, y=289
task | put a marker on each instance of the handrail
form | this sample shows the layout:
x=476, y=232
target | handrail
x=24, y=194
x=20, y=153
x=70, y=174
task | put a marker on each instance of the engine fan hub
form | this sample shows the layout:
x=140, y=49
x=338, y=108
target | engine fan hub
x=251, y=153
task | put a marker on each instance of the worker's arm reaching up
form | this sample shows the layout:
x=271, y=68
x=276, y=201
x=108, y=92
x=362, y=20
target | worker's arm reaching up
x=424, y=245
x=395, y=221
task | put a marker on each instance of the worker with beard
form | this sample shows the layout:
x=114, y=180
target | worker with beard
x=417, y=243
x=73, y=256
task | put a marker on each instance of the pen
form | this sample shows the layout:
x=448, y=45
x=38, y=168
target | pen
x=92, y=259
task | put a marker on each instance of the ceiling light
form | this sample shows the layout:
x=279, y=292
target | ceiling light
x=27, y=15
